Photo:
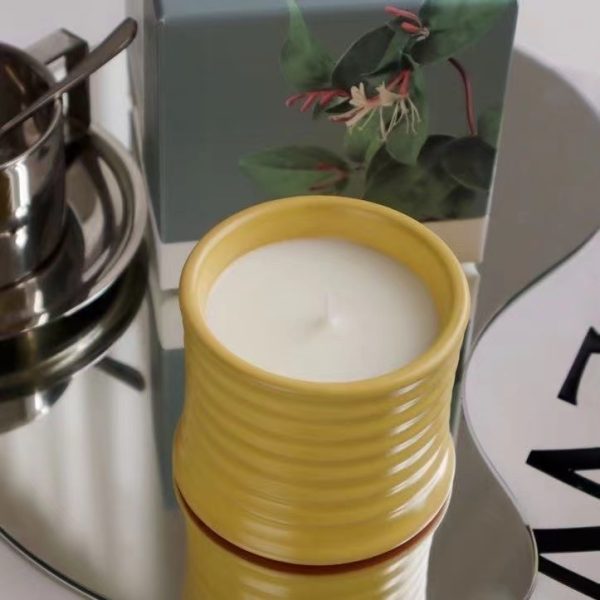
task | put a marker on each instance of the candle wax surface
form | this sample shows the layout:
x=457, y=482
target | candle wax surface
x=321, y=310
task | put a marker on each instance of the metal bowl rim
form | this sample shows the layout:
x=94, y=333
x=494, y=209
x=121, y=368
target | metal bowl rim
x=45, y=74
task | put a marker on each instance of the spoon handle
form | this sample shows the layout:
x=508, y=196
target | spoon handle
x=118, y=40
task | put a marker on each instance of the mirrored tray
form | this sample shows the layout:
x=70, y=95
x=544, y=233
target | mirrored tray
x=36, y=366
x=87, y=490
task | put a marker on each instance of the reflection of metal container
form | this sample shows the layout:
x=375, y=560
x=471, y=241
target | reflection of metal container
x=36, y=367
x=32, y=169
x=66, y=314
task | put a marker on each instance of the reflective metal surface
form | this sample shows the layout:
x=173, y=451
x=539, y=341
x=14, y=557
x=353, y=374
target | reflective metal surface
x=116, y=41
x=105, y=225
x=483, y=551
x=32, y=169
x=87, y=488
x=22, y=79
x=17, y=410
x=71, y=49
x=35, y=366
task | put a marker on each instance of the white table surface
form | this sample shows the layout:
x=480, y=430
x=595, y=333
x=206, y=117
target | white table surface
x=561, y=35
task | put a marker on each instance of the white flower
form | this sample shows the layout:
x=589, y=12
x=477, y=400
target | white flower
x=363, y=108
x=404, y=110
x=387, y=97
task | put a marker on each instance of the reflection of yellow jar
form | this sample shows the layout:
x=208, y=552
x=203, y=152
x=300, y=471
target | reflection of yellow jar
x=318, y=473
x=217, y=570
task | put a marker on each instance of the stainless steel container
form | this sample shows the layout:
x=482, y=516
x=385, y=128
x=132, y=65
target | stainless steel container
x=32, y=169
x=33, y=209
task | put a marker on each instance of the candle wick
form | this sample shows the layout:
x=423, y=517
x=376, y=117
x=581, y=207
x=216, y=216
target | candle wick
x=328, y=309
x=330, y=318
x=327, y=318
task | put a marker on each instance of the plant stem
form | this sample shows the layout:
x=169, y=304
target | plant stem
x=471, y=119
x=338, y=173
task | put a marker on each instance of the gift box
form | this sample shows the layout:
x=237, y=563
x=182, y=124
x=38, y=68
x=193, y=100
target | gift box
x=236, y=103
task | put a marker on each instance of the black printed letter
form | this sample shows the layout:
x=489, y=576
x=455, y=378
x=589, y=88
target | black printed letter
x=563, y=464
x=591, y=345
x=584, y=539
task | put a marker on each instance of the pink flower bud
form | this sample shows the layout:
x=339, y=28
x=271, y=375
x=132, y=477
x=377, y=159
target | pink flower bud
x=403, y=14
x=410, y=28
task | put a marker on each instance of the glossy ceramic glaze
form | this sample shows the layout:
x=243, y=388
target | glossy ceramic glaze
x=313, y=473
x=219, y=571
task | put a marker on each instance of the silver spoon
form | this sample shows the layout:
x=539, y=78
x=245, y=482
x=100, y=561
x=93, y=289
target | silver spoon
x=118, y=40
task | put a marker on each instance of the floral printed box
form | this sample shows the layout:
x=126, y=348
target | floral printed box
x=239, y=102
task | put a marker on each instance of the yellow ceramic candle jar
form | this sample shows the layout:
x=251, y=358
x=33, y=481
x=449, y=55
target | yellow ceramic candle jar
x=318, y=473
x=217, y=570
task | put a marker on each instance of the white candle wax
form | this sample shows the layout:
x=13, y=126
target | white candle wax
x=323, y=310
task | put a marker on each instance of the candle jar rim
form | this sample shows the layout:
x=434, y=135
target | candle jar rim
x=444, y=344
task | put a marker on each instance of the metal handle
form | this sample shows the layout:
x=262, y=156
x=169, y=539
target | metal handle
x=117, y=41
x=67, y=45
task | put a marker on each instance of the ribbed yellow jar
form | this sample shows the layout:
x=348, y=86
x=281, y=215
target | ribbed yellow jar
x=216, y=570
x=318, y=473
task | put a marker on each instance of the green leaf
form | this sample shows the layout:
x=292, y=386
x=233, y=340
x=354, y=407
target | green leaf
x=336, y=108
x=411, y=189
x=361, y=142
x=337, y=105
x=470, y=162
x=420, y=190
x=379, y=161
x=362, y=58
x=430, y=157
x=405, y=141
x=488, y=126
x=294, y=170
x=306, y=65
x=434, y=150
x=455, y=24
x=392, y=60
x=374, y=147
x=463, y=203
x=424, y=191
